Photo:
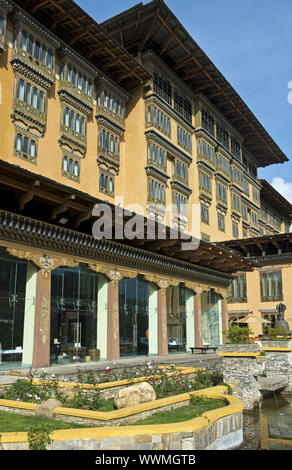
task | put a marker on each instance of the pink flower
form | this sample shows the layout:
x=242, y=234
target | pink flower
x=190, y=386
x=182, y=385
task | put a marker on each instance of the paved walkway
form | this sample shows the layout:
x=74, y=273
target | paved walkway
x=195, y=360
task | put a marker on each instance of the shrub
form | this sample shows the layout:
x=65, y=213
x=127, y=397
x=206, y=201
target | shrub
x=238, y=334
x=277, y=331
x=39, y=437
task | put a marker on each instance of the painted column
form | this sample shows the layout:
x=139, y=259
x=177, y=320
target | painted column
x=190, y=320
x=224, y=314
x=153, y=320
x=29, y=315
x=102, y=317
x=162, y=323
x=41, y=350
x=113, y=330
x=198, y=320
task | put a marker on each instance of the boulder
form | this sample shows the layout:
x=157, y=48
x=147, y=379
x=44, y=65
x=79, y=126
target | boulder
x=134, y=395
x=45, y=409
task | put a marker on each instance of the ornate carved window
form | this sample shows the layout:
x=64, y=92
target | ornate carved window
x=76, y=83
x=183, y=106
x=109, y=143
x=235, y=147
x=223, y=164
x=71, y=167
x=156, y=118
x=271, y=286
x=34, y=50
x=73, y=129
x=206, y=151
x=205, y=182
x=157, y=156
x=205, y=218
x=222, y=193
x=208, y=122
x=162, y=88
x=25, y=146
x=156, y=191
x=221, y=222
x=5, y=7
x=106, y=182
x=180, y=171
x=238, y=290
x=29, y=104
x=222, y=136
x=184, y=139
x=111, y=104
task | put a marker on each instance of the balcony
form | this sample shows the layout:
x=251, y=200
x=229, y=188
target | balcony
x=25, y=63
x=73, y=139
x=76, y=93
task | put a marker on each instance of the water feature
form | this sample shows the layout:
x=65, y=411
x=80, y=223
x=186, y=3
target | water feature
x=269, y=427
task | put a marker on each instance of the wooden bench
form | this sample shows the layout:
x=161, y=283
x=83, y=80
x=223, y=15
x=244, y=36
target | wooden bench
x=203, y=349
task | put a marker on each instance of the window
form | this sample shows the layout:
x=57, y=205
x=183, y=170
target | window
x=181, y=204
x=71, y=168
x=271, y=286
x=206, y=151
x=74, y=121
x=208, y=122
x=25, y=148
x=256, y=194
x=235, y=232
x=244, y=211
x=156, y=191
x=157, y=156
x=237, y=176
x=221, y=222
x=109, y=143
x=158, y=119
x=252, y=169
x=180, y=171
x=106, y=183
x=238, y=289
x=183, y=106
x=235, y=147
x=205, y=182
x=223, y=164
x=109, y=102
x=236, y=203
x=1, y=26
x=31, y=95
x=222, y=136
x=222, y=192
x=36, y=49
x=205, y=214
x=184, y=139
x=245, y=187
x=162, y=88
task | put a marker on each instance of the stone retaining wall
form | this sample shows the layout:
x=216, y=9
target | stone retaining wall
x=214, y=430
x=279, y=360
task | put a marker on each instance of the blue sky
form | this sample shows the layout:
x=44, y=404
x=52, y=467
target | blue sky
x=250, y=42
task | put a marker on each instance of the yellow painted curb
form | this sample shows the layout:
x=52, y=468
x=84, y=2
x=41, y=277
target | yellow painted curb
x=184, y=371
x=122, y=412
x=238, y=354
x=234, y=406
x=277, y=349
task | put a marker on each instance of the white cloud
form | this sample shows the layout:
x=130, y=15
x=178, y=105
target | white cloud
x=283, y=188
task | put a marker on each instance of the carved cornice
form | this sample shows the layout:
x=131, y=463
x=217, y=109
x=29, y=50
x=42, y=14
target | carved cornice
x=103, y=80
x=154, y=172
x=152, y=135
x=29, y=120
x=66, y=52
x=5, y=6
x=105, y=121
x=180, y=187
x=72, y=141
x=74, y=101
x=32, y=73
x=44, y=262
x=109, y=162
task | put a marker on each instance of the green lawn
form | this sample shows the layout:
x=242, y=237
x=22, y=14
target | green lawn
x=184, y=413
x=12, y=422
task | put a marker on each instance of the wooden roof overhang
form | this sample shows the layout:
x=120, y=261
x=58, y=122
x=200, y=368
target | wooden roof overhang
x=266, y=249
x=154, y=27
x=75, y=27
x=274, y=199
x=38, y=197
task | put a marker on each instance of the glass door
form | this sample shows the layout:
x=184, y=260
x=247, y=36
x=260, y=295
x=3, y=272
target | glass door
x=12, y=305
x=134, y=317
x=73, y=314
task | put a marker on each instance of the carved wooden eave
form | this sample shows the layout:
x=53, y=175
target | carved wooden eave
x=72, y=141
x=30, y=72
x=104, y=81
x=30, y=121
x=111, y=164
x=156, y=173
x=43, y=261
x=174, y=151
x=177, y=185
x=68, y=97
x=110, y=124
